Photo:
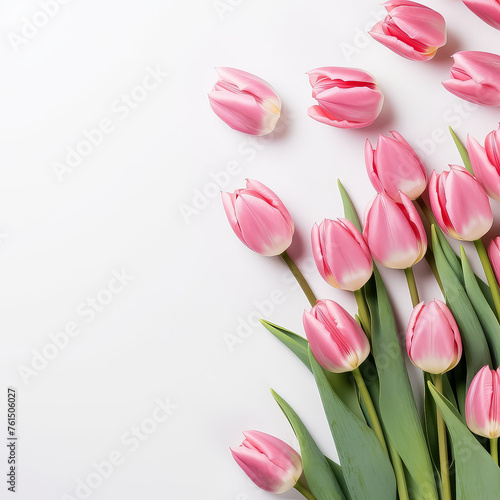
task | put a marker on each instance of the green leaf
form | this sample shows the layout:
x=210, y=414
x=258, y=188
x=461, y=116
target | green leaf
x=349, y=210
x=337, y=470
x=397, y=404
x=297, y=344
x=474, y=341
x=462, y=150
x=485, y=314
x=477, y=475
x=449, y=253
x=319, y=475
x=366, y=467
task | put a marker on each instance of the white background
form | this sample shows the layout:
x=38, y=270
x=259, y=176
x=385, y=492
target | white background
x=123, y=207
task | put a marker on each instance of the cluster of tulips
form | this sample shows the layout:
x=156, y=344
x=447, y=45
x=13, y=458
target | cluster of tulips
x=393, y=235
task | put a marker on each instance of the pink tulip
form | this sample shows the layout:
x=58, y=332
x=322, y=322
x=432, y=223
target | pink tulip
x=475, y=77
x=487, y=10
x=347, y=98
x=342, y=257
x=411, y=30
x=486, y=163
x=269, y=462
x=245, y=102
x=259, y=218
x=460, y=205
x=394, y=167
x=494, y=255
x=482, y=404
x=394, y=232
x=432, y=339
x=337, y=341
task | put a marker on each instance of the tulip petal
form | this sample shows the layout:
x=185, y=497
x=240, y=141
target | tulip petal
x=484, y=171
x=487, y=10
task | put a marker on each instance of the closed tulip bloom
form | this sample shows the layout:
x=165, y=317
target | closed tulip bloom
x=259, y=218
x=460, y=205
x=347, y=97
x=337, y=341
x=411, y=30
x=395, y=168
x=487, y=10
x=269, y=462
x=494, y=255
x=341, y=254
x=482, y=404
x=486, y=163
x=245, y=102
x=394, y=232
x=475, y=77
x=432, y=339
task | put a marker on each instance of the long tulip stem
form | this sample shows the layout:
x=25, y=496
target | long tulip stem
x=364, y=312
x=443, y=444
x=370, y=408
x=300, y=278
x=399, y=471
x=412, y=286
x=494, y=449
x=304, y=491
x=490, y=275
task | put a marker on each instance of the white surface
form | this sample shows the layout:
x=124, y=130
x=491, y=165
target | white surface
x=120, y=208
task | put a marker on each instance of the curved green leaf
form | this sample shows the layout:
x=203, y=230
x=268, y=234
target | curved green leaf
x=349, y=210
x=297, y=344
x=320, y=478
x=337, y=470
x=462, y=150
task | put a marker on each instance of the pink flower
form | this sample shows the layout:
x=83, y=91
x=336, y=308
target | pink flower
x=486, y=163
x=394, y=167
x=494, y=255
x=460, y=205
x=432, y=339
x=394, y=232
x=245, y=102
x=341, y=254
x=259, y=218
x=269, y=462
x=482, y=404
x=475, y=77
x=411, y=30
x=487, y=10
x=347, y=98
x=337, y=341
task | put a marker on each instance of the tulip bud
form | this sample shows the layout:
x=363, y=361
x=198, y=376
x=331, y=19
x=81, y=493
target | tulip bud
x=394, y=232
x=482, y=404
x=347, y=97
x=337, y=341
x=245, y=102
x=259, y=219
x=269, y=462
x=475, y=77
x=486, y=163
x=487, y=10
x=432, y=339
x=460, y=205
x=494, y=255
x=394, y=167
x=342, y=257
x=411, y=30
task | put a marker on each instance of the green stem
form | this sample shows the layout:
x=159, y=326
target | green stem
x=494, y=449
x=300, y=278
x=397, y=464
x=490, y=275
x=304, y=491
x=412, y=285
x=364, y=313
x=370, y=408
x=443, y=444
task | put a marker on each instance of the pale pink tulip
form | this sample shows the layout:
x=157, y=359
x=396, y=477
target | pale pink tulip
x=410, y=29
x=337, y=341
x=475, y=77
x=494, y=255
x=245, y=102
x=459, y=203
x=482, y=404
x=341, y=254
x=395, y=168
x=487, y=10
x=269, y=462
x=347, y=97
x=394, y=232
x=486, y=163
x=259, y=218
x=432, y=340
